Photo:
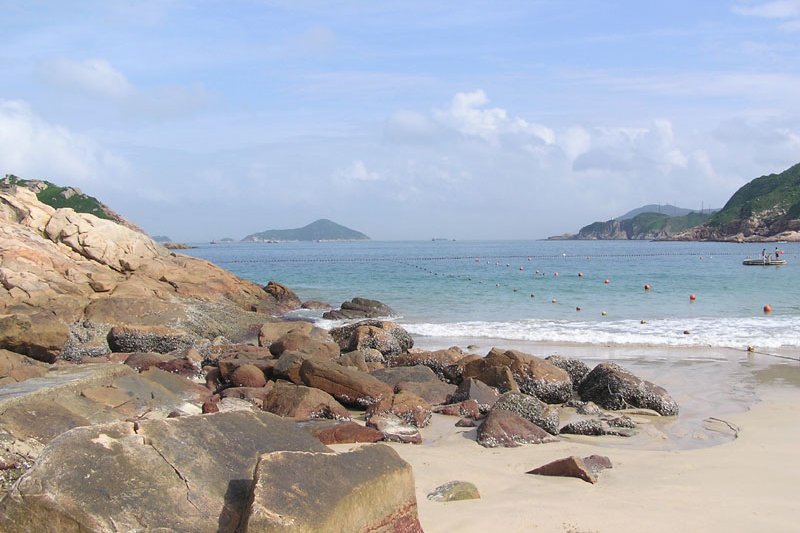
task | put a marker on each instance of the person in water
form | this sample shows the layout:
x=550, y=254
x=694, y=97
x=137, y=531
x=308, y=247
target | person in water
x=777, y=253
x=764, y=253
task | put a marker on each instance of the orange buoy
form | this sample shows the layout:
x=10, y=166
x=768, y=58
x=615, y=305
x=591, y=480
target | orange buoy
x=692, y=297
x=607, y=281
x=767, y=309
x=647, y=286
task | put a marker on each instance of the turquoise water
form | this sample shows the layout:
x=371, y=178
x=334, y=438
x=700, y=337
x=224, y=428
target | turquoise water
x=505, y=289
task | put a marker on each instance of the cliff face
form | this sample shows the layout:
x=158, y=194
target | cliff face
x=644, y=226
x=63, y=274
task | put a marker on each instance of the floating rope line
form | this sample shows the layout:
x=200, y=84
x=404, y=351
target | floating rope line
x=789, y=357
x=469, y=257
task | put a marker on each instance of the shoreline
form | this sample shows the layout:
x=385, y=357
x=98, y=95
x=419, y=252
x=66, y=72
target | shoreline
x=724, y=467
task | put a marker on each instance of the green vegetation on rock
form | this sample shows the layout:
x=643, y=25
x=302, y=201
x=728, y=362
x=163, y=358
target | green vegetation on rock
x=58, y=197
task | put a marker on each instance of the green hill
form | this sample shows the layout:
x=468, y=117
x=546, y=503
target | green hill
x=775, y=197
x=320, y=230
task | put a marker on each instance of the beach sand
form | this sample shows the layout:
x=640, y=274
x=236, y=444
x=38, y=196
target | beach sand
x=690, y=473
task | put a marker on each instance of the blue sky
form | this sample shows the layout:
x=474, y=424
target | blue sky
x=402, y=119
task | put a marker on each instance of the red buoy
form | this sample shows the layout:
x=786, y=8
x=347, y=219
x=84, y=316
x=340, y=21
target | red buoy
x=767, y=309
x=607, y=281
x=692, y=297
x=580, y=274
x=647, y=286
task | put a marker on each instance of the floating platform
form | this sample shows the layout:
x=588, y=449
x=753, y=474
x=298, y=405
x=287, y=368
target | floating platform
x=764, y=262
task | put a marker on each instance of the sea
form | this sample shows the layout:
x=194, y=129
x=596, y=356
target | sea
x=614, y=293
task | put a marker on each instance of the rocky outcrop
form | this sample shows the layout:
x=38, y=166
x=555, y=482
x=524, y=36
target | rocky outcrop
x=438, y=360
x=359, y=308
x=60, y=269
x=612, y=387
x=75, y=484
x=529, y=408
x=369, y=489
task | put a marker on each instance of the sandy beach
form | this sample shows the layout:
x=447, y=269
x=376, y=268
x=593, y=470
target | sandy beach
x=724, y=464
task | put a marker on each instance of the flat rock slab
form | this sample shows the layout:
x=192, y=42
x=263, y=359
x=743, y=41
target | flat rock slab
x=369, y=489
x=39, y=409
x=190, y=473
x=585, y=468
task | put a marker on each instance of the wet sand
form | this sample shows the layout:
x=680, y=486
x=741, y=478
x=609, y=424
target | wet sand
x=726, y=463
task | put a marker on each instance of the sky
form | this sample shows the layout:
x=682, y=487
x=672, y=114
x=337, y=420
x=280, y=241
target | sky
x=403, y=119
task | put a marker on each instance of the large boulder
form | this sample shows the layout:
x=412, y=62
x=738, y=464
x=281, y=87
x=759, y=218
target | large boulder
x=433, y=392
x=157, y=339
x=393, y=376
x=406, y=405
x=302, y=403
x=437, y=360
x=507, y=429
x=369, y=489
x=190, y=473
x=612, y=387
x=384, y=336
x=473, y=389
x=576, y=368
x=296, y=341
x=359, y=308
x=348, y=385
x=272, y=331
x=529, y=408
x=534, y=376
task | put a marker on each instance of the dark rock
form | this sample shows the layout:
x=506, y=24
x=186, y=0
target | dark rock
x=359, y=308
x=530, y=408
x=141, y=361
x=595, y=428
x=576, y=368
x=474, y=389
x=283, y=298
x=181, y=366
x=314, y=304
x=467, y=408
x=190, y=473
x=454, y=491
x=433, y=392
x=369, y=489
x=302, y=403
x=417, y=373
x=248, y=376
x=573, y=466
x=347, y=385
x=612, y=387
x=409, y=407
x=395, y=429
x=504, y=428
x=288, y=367
x=467, y=423
x=534, y=376
x=295, y=341
x=384, y=336
x=343, y=432
x=148, y=339
x=453, y=373
x=437, y=360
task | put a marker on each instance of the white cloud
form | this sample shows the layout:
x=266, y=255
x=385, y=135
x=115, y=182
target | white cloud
x=93, y=76
x=357, y=172
x=778, y=9
x=33, y=148
x=97, y=78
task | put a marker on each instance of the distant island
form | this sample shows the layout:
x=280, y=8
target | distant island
x=765, y=209
x=161, y=238
x=319, y=230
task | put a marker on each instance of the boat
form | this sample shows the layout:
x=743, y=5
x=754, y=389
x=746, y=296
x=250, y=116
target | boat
x=765, y=261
